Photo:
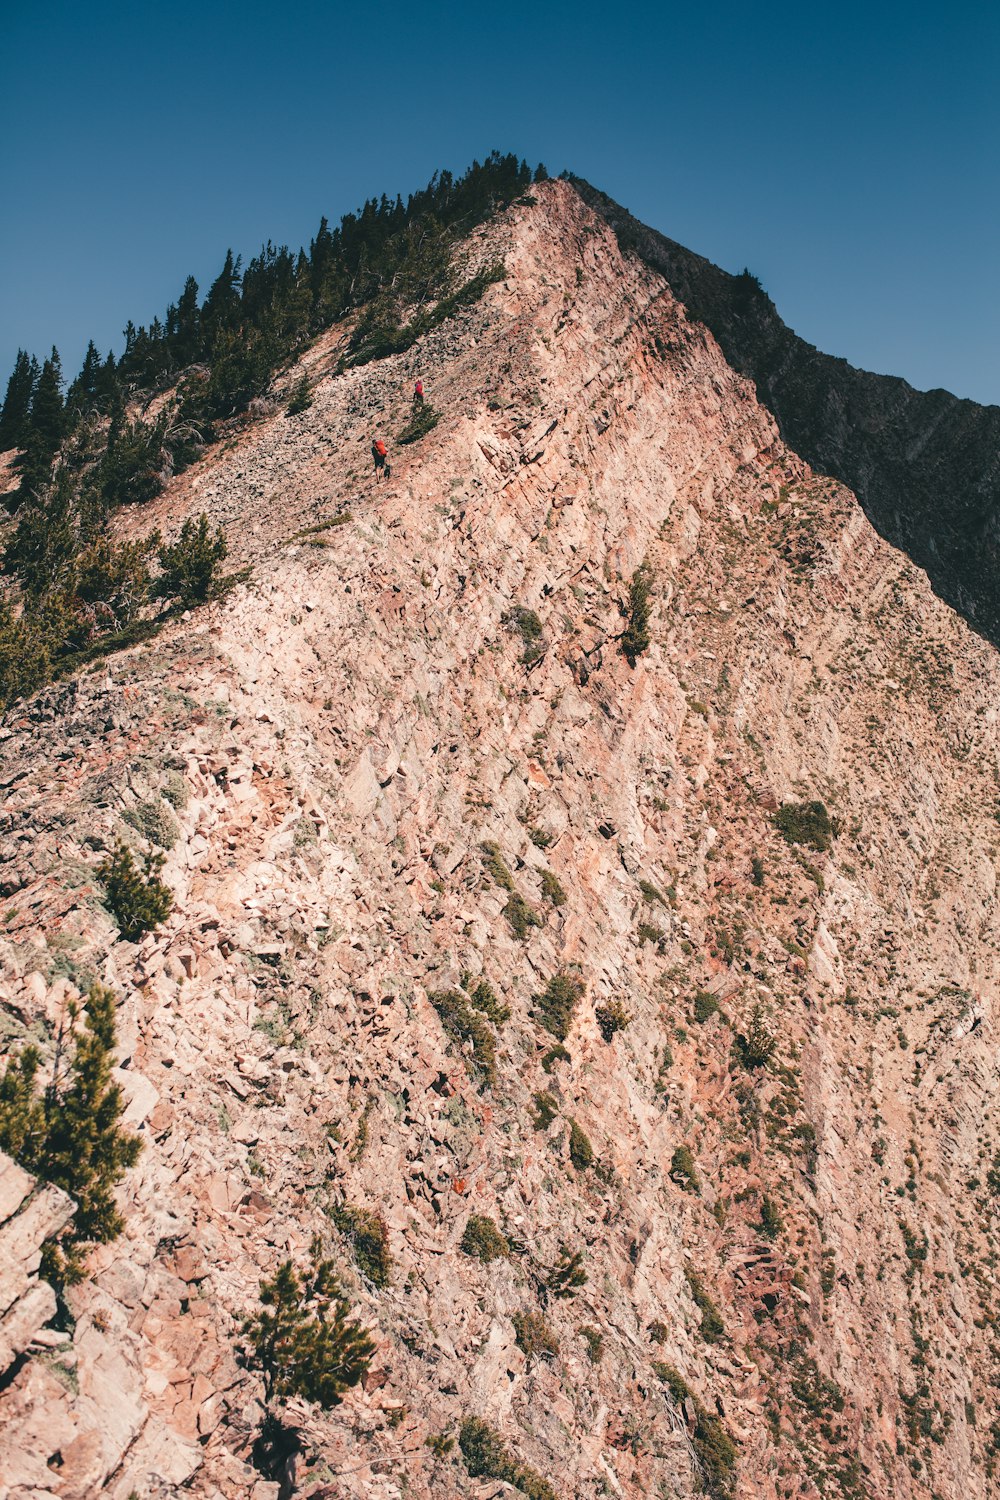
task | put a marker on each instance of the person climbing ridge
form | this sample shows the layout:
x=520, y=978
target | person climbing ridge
x=380, y=459
x=418, y=393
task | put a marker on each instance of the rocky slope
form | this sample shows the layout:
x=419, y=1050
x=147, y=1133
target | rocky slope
x=925, y=465
x=805, y=1245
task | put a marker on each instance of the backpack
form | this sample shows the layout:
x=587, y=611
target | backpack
x=380, y=448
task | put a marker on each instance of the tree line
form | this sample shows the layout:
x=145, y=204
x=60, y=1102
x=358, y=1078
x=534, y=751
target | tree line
x=121, y=427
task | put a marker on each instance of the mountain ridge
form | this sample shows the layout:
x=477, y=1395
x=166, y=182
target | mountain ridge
x=356, y=759
x=925, y=464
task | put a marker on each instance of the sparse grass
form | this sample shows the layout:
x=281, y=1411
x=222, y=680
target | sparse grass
x=552, y=889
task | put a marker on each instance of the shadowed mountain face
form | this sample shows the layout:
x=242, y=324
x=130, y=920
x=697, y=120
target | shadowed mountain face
x=924, y=464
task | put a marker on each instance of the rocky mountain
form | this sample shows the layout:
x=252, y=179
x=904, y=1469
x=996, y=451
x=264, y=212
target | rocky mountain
x=583, y=852
x=924, y=464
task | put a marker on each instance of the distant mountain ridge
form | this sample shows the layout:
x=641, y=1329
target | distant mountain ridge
x=924, y=464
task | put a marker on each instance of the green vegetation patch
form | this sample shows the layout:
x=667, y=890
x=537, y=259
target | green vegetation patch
x=806, y=823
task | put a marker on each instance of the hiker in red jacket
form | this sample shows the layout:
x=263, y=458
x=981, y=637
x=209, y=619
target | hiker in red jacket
x=418, y=393
x=380, y=459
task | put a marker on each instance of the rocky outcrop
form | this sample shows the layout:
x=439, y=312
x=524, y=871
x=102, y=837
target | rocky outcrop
x=924, y=464
x=408, y=754
x=29, y=1214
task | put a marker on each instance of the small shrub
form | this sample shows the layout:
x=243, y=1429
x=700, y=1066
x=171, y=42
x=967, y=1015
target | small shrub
x=611, y=1018
x=704, y=1006
x=673, y=1380
x=992, y=1175
x=485, y=1456
x=423, y=420
x=462, y=1024
x=712, y=1326
x=483, y=1240
x=300, y=397
x=496, y=867
x=485, y=998
x=155, y=822
x=581, y=1152
x=440, y=1444
x=368, y=1234
x=717, y=1453
x=191, y=563
x=715, y=1450
x=25, y=661
x=682, y=1165
x=521, y=916
x=557, y=1003
x=540, y=838
x=70, y=1134
x=552, y=889
x=534, y=1335
x=658, y=1331
x=806, y=823
x=648, y=932
x=635, y=638
x=302, y=1341
x=771, y=1223
x=567, y=1276
x=594, y=1340
x=138, y=902
x=554, y=1055
x=529, y=627
x=756, y=1048
x=175, y=791
x=651, y=895
x=757, y=870
x=546, y=1110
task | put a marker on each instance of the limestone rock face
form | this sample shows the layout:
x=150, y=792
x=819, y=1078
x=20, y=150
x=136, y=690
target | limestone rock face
x=787, y=1224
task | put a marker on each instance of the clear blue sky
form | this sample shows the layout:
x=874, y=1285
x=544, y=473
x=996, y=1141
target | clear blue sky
x=846, y=153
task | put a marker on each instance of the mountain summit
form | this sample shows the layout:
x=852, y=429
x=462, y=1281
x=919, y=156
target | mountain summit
x=581, y=853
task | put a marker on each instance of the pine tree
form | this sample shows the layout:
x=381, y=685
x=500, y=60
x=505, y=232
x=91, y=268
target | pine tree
x=302, y=1340
x=70, y=1134
x=24, y=655
x=188, y=323
x=45, y=538
x=45, y=427
x=222, y=305
x=108, y=388
x=82, y=394
x=190, y=564
x=139, y=901
x=17, y=402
